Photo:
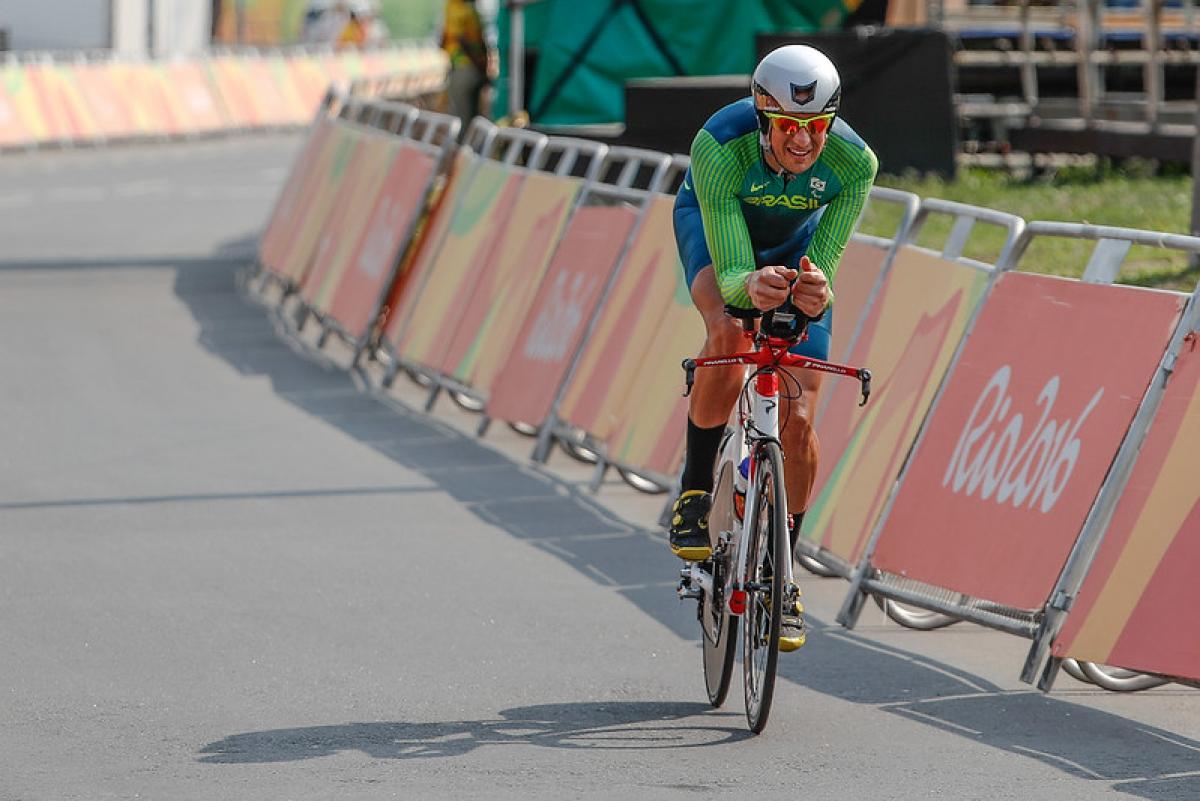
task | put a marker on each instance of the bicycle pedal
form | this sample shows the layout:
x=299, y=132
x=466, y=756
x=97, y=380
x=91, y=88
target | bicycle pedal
x=685, y=591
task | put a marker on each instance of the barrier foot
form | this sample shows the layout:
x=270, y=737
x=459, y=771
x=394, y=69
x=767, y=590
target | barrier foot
x=389, y=377
x=1049, y=674
x=321, y=340
x=434, y=391
x=664, y=518
x=485, y=423
x=856, y=597
x=545, y=440
x=1040, y=649
x=263, y=281
x=598, y=474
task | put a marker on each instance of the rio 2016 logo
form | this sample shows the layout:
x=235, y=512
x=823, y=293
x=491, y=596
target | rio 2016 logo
x=998, y=458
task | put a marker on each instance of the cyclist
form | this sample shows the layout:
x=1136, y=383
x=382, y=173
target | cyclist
x=776, y=185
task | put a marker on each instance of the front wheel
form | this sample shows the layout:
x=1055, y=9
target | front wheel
x=767, y=547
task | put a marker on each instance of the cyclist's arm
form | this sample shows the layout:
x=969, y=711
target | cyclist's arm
x=858, y=168
x=717, y=178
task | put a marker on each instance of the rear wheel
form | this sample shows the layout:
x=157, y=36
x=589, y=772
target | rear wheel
x=718, y=629
x=764, y=605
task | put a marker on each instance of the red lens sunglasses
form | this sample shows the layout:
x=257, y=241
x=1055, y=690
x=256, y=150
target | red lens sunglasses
x=788, y=125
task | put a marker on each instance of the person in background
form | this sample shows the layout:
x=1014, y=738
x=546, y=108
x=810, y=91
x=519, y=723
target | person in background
x=325, y=22
x=464, y=43
x=363, y=26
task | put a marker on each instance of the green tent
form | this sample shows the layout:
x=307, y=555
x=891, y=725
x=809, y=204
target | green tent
x=586, y=51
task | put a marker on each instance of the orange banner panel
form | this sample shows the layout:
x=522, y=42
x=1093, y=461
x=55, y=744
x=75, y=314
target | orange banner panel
x=309, y=80
x=526, y=384
x=292, y=199
x=377, y=252
x=506, y=283
x=193, y=97
x=1137, y=606
x=63, y=108
x=234, y=91
x=1023, y=436
x=144, y=94
x=629, y=317
x=418, y=267
x=910, y=336
x=331, y=168
x=653, y=417
x=110, y=107
x=21, y=118
x=274, y=99
x=351, y=209
x=860, y=268
x=477, y=227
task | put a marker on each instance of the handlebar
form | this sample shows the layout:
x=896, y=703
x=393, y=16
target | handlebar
x=786, y=322
x=776, y=354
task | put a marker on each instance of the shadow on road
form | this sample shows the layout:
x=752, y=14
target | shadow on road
x=622, y=725
x=532, y=505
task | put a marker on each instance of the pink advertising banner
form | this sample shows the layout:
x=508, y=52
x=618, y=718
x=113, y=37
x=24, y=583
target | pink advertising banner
x=1137, y=607
x=612, y=355
x=529, y=379
x=377, y=252
x=506, y=283
x=1021, y=440
x=909, y=338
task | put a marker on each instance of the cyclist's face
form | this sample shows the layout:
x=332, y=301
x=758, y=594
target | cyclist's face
x=798, y=150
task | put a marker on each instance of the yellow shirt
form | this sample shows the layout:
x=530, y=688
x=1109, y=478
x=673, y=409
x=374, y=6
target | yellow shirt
x=462, y=37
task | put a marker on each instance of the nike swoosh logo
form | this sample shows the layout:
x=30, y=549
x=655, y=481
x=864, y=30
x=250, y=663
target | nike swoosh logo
x=686, y=185
x=756, y=187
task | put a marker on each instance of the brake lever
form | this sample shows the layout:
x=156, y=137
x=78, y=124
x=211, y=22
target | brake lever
x=689, y=369
x=864, y=379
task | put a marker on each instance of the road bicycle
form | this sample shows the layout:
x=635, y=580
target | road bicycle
x=749, y=575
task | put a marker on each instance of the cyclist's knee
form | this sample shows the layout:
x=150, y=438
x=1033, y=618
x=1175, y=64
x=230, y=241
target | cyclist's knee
x=723, y=335
x=798, y=431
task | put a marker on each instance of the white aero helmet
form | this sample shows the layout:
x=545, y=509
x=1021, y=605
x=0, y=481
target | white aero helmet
x=796, y=79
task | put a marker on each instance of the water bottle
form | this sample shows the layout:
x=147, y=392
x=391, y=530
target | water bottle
x=741, y=480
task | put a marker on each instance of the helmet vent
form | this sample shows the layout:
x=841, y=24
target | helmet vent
x=804, y=94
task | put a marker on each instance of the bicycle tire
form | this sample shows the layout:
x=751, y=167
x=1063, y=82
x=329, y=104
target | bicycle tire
x=718, y=628
x=764, y=605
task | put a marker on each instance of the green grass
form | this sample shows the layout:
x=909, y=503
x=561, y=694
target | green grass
x=1132, y=197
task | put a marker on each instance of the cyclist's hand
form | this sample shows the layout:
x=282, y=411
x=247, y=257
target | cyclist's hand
x=810, y=293
x=768, y=287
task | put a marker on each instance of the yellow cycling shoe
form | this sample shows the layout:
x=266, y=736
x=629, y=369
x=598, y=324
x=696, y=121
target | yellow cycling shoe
x=791, y=629
x=689, y=526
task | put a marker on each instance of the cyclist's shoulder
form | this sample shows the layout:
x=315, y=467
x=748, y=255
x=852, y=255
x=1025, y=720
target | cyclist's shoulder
x=728, y=140
x=847, y=153
x=733, y=122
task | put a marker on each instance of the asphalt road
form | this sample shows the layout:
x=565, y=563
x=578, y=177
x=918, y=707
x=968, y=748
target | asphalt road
x=229, y=569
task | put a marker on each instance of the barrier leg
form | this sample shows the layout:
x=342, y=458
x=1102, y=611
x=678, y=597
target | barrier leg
x=1049, y=674
x=598, y=475
x=545, y=440
x=855, y=598
x=485, y=423
x=434, y=391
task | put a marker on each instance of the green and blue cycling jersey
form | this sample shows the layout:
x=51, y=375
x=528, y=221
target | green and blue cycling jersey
x=735, y=213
